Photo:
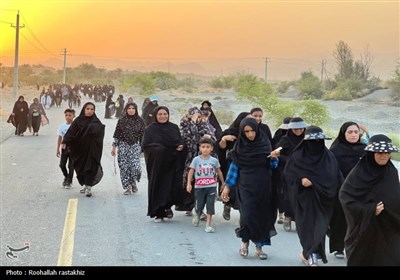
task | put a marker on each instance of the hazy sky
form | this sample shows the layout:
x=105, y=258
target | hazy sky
x=219, y=36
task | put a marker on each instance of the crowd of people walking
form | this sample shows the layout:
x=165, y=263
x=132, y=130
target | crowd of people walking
x=349, y=192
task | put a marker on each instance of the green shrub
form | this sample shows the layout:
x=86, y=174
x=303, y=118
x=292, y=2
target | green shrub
x=338, y=94
x=394, y=84
x=145, y=83
x=396, y=141
x=309, y=86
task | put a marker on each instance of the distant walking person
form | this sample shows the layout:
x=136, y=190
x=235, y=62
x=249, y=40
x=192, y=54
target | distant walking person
x=85, y=139
x=120, y=106
x=63, y=151
x=148, y=111
x=128, y=139
x=370, y=197
x=36, y=111
x=20, y=113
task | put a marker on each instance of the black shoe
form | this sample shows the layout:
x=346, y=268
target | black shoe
x=227, y=212
x=65, y=182
x=169, y=214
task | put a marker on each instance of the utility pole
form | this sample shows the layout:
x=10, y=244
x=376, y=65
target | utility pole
x=322, y=70
x=65, y=66
x=17, y=27
x=266, y=69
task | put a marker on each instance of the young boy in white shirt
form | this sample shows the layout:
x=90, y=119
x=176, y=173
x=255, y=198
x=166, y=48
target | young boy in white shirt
x=205, y=169
x=63, y=151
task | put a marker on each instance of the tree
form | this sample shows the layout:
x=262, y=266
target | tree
x=394, y=84
x=344, y=60
x=145, y=83
x=309, y=86
x=164, y=80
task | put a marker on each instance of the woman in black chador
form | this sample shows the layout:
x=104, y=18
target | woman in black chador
x=348, y=150
x=212, y=119
x=162, y=145
x=370, y=197
x=289, y=142
x=250, y=178
x=20, y=113
x=314, y=175
x=85, y=139
x=225, y=145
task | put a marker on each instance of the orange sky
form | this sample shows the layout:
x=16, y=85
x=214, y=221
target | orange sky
x=220, y=36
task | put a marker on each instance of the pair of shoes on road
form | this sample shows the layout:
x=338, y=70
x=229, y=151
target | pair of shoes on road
x=339, y=254
x=87, y=190
x=281, y=217
x=244, y=249
x=260, y=254
x=209, y=229
x=227, y=212
x=169, y=214
x=35, y=134
x=128, y=191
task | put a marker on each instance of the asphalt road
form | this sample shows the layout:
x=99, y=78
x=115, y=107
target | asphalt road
x=110, y=229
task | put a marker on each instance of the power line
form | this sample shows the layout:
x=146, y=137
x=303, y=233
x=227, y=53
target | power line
x=23, y=36
x=34, y=36
x=2, y=21
x=8, y=10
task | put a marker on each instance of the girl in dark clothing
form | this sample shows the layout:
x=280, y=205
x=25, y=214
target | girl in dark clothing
x=121, y=103
x=225, y=145
x=314, y=176
x=162, y=145
x=249, y=174
x=370, y=198
x=85, y=139
x=20, y=113
x=257, y=113
x=108, y=107
x=277, y=179
x=288, y=143
x=148, y=111
x=348, y=150
x=212, y=118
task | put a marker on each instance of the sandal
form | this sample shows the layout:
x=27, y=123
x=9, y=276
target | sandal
x=303, y=259
x=287, y=224
x=244, y=252
x=261, y=255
